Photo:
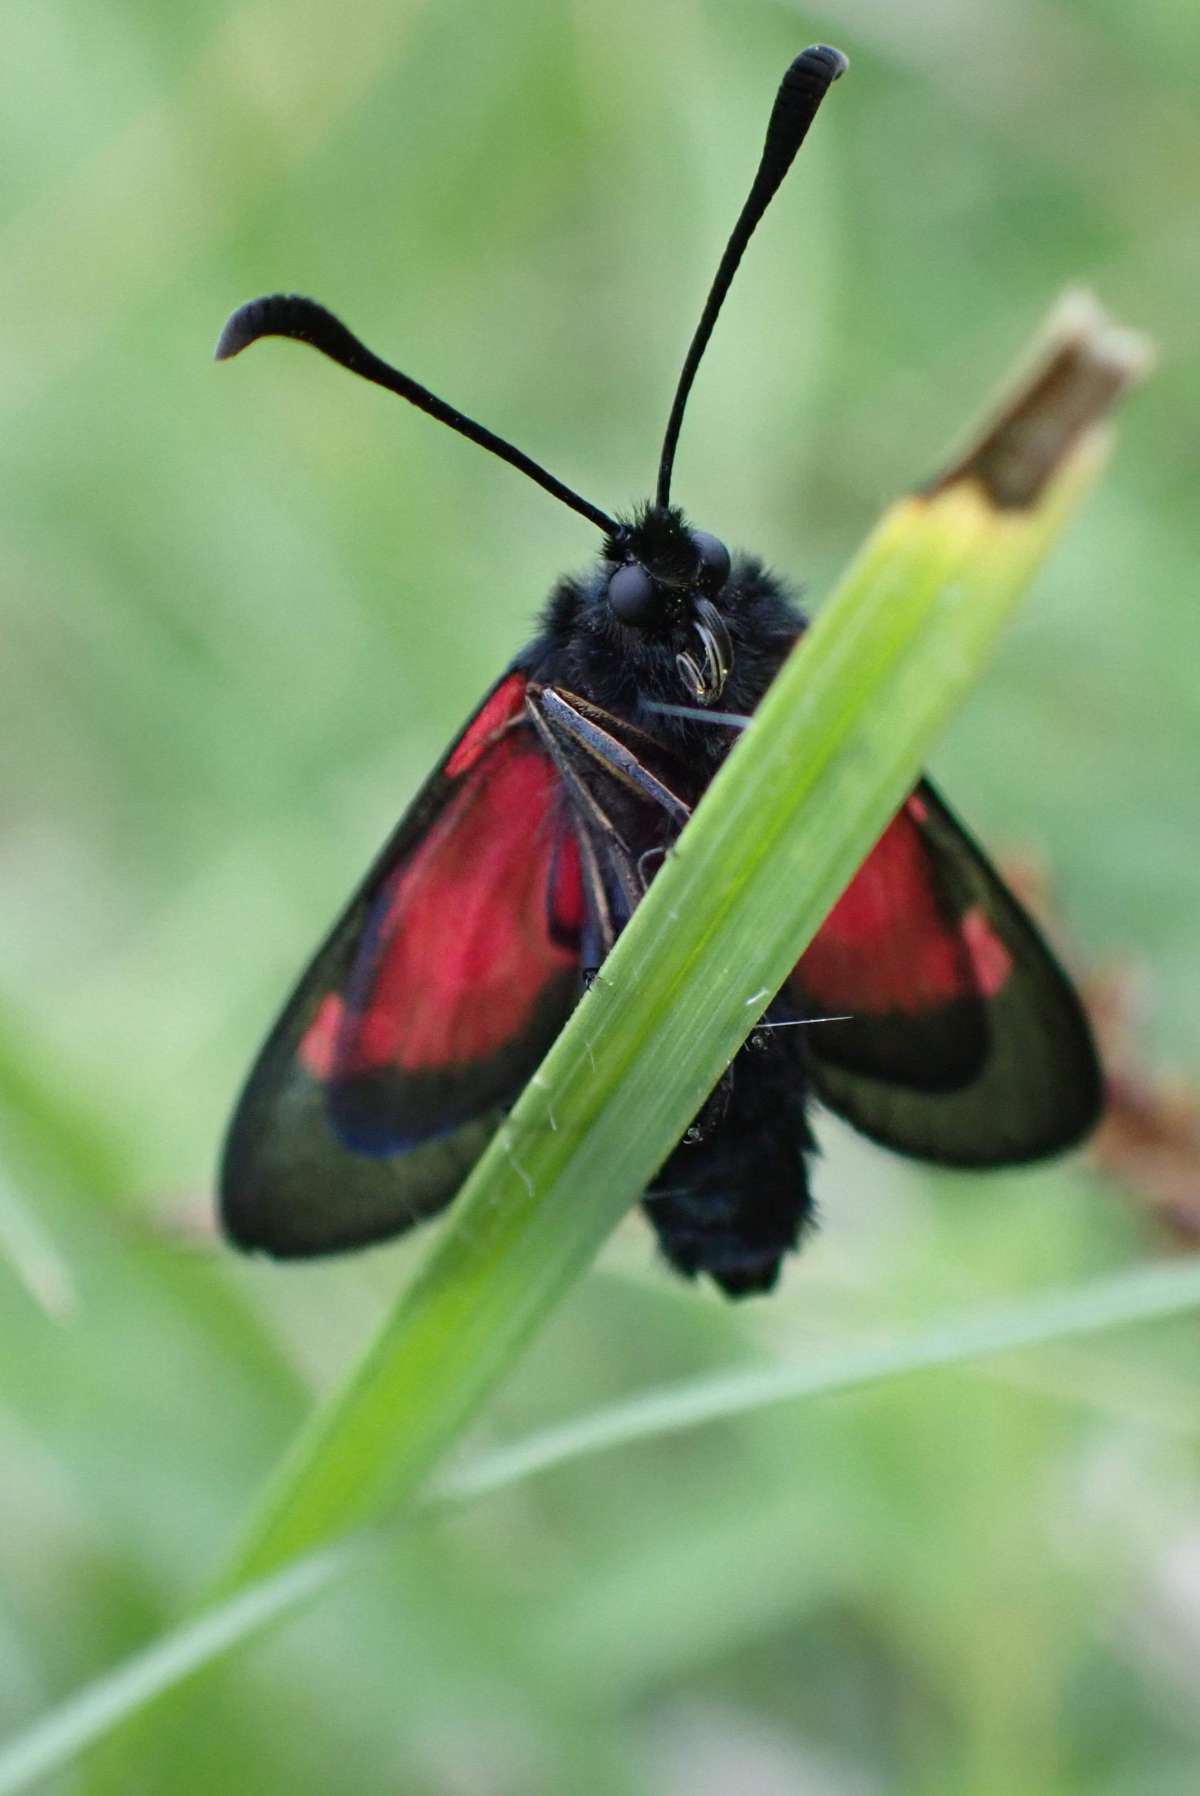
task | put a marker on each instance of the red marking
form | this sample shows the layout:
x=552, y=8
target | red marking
x=318, y=1047
x=505, y=703
x=917, y=809
x=566, y=890
x=990, y=959
x=460, y=945
x=888, y=943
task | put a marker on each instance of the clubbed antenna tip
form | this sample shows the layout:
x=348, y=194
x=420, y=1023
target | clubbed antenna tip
x=804, y=86
x=304, y=321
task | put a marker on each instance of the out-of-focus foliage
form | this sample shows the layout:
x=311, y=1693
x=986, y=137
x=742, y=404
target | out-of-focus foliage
x=244, y=608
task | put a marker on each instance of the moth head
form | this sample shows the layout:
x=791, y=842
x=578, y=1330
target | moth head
x=665, y=581
x=658, y=565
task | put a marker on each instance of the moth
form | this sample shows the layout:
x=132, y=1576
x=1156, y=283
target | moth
x=946, y=1030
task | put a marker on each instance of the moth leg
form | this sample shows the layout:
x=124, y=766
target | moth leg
x=594, y=823
x=590, y=737
x=620, y=785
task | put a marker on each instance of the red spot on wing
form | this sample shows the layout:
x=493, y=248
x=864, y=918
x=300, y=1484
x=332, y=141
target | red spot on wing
x=890, y=943
x=318, y=1049
x=990, y=959
x=468, y=930
x=565, y=906
x=489, y=721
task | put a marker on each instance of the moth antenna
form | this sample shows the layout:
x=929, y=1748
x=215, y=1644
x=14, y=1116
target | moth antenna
x=290, y=315
x=801, y=91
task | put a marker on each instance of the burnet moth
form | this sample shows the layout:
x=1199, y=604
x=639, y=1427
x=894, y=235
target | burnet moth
x=956, y=1036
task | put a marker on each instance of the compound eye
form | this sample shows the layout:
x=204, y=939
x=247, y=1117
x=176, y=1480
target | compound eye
x=714, y=560
x=631, y=594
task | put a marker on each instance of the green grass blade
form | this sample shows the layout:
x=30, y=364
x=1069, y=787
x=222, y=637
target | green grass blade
x=104, y=1704
x=830, y=754
x=1145, y=1295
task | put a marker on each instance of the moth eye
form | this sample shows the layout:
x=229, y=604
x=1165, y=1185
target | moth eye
x=631, y=594
x=714, y=560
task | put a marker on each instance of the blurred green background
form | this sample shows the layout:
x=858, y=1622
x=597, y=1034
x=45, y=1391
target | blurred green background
x=243, y=610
